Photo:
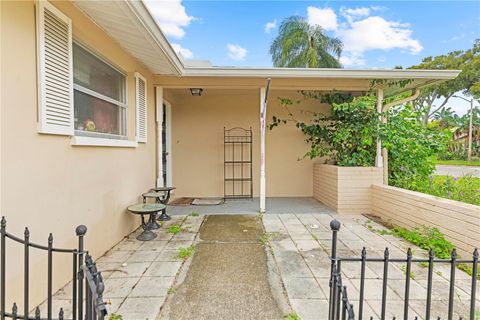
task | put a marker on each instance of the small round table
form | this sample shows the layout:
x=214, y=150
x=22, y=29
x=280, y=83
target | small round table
x=161, y=195
x=151, y=209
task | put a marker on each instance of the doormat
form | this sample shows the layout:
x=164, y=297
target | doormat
x=207, y=201
x=181, y=202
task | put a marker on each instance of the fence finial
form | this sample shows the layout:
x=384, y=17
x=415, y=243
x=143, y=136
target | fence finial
x=475, y=253
x=81, y=230
x=335, y=225
x=3, y=223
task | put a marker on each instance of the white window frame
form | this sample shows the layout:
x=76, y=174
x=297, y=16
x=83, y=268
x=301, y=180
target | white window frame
x=120, y=104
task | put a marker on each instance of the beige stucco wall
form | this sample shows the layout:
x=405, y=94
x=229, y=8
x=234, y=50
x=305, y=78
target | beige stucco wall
x=347, y=190
x=46, y=183
x=458, y=221
x=197, y=141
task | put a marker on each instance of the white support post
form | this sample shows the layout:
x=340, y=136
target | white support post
x=159, y=144
x=379, y=158
x=263, y=118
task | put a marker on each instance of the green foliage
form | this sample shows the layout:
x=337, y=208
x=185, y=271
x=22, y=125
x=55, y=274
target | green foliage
x=468, y=81
x=115, y=316
x=187, y=252
x=195, y=214
x=410, y=146
x=426, y=238
x=465, y=189
x=292, y=316
x=468, y=269
x=175, y=229
x=345, y=136
x=302, y=45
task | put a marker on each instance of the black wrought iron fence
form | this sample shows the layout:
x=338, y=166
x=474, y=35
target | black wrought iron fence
x=87, y=282
x=339, y=304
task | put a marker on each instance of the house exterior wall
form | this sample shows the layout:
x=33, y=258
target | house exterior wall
x=46, y=183
x=197, y=141
x=347, y=190
x=458, y=221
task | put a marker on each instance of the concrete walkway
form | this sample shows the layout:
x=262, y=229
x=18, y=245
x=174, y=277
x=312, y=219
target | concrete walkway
x=238, y=272
x=228, y=277
x=457, y=171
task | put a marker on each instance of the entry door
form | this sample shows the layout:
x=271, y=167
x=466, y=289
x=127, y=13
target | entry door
x=164, y=146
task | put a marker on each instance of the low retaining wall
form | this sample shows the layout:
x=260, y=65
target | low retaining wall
x=348, y=190
x=458, y=221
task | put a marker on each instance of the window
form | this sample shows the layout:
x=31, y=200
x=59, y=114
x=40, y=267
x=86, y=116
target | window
x=99, y=96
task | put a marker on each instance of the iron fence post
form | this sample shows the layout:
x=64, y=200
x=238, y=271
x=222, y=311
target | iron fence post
x=431, y=255
x=26, y=278
x=407, y=283
x=453, y=265
x=384, y=286
x=362, y=284
x=335, y=227
x=474, y=284
x=80, y=231
x=50, y=276
x=3, y=227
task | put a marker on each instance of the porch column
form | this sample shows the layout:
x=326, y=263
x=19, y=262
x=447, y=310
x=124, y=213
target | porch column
x=379, y=158
x=263, y=119
x=158, y=140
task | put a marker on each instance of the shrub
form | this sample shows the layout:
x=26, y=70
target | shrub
x=465, y=189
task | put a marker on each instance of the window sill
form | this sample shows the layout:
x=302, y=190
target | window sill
x=102, y=142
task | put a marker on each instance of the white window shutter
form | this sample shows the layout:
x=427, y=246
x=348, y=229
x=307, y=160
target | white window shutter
x=55, y=75
x=141, y=107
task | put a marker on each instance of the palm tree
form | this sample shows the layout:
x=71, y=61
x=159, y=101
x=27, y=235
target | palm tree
x=301, y=45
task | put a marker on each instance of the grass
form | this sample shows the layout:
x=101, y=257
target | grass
x=187, y=252
x=292, y=316
x=474, y=163
x=195, y=214
x=175, y=229
x=115, y=316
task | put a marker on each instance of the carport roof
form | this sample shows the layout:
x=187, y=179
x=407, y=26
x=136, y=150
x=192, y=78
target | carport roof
x=133, y=27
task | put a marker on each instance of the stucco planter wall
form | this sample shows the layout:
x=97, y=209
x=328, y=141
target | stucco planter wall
x=458, y=221
x=348, y=190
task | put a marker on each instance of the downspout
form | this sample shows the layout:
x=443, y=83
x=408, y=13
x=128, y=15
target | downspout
x=385, y=109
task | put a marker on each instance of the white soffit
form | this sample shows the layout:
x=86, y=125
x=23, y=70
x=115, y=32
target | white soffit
x=121, y=21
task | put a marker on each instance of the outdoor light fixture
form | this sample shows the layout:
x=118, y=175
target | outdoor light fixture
x=196, y=92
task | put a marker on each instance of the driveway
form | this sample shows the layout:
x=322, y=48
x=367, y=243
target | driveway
x=457, y=171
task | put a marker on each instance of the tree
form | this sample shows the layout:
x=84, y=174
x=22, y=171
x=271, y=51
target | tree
x=468, y=81
x=301, y=45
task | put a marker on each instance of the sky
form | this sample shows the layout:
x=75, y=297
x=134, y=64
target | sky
x=375, y=34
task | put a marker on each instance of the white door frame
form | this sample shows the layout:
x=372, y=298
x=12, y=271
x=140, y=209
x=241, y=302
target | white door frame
x=159, y=102
x=168, y=136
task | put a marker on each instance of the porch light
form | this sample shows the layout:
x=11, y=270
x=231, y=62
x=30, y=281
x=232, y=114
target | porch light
x=196, y=92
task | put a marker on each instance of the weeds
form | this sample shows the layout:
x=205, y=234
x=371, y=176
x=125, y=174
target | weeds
x=404, y=270
x=195, y=214
x=115, y=316
x=175, y=229
x=170, y=290
x=292, y=316
x=187, y=252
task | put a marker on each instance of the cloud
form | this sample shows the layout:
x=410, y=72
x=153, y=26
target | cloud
x=353, y=60
x=236, y=52
x=270, y=25
x=171, y=16
x=374, y=33
x=325, y=18
x=184, y=52
x=354, y=13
